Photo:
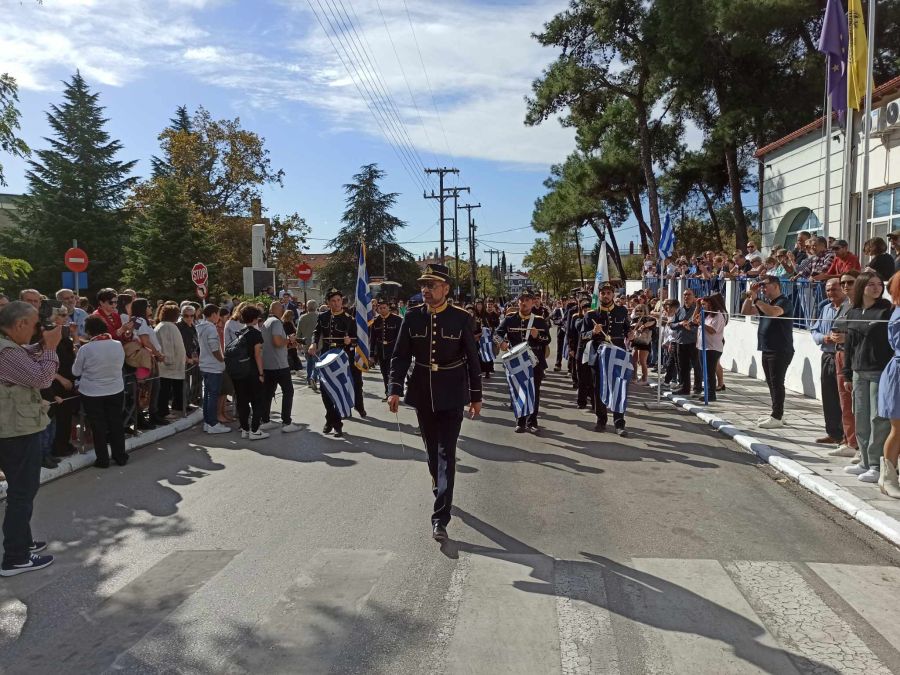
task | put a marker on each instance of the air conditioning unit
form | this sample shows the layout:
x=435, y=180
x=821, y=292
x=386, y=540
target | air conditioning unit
x=891, y=115
x=886, y=120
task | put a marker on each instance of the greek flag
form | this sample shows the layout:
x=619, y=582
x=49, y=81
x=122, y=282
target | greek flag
x=601, y=276
x=614, y=373
x=334, y=377
x=486, y=346
x=363, y=312
x=520, y=377
x=667, y=239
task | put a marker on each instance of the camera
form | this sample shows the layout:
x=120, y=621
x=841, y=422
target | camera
x=45, y=314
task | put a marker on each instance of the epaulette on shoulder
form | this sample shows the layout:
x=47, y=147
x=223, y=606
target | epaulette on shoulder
x=458, y=308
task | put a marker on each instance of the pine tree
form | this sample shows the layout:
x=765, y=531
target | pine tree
x=368, y=218
x=10, y=142
x=166, y=239
x=77, y=188
x=181, y=122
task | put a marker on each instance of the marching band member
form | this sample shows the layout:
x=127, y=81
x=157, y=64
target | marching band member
x=337, y=330
x=440, y=339
x=515, y=329
x=385, y=329
x=608, y=323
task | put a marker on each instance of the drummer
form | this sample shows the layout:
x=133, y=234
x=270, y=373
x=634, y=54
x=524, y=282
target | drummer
x=337, y=330
x=608, y=323
x=515, y=329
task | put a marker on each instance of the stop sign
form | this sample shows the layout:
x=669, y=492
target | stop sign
x=76, y=260
x=199, y=274
x=303, y=271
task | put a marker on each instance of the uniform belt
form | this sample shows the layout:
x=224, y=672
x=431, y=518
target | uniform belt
x=434, y=367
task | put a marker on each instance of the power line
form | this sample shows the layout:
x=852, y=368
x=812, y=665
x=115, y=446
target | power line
x=374, y=69
x=428, y=82
x=360, y=85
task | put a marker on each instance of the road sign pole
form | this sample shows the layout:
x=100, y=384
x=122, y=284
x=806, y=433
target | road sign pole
x=77, y=275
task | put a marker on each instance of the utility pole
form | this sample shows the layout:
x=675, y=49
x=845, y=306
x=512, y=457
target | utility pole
x=468, y=208
x=454, y=192
x=441, y=172
x=491, y=252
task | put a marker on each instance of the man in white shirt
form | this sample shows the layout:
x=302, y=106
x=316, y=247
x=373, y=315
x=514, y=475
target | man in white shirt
x=76, y=315
x=277, y=370
x=212, y=367
x=753, y=253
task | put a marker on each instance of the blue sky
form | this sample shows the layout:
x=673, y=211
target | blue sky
x=270, y=63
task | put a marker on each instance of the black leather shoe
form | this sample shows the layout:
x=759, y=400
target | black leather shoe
x=327, y=429
x=533, y=429
x=338, y=433
x=622, y=432
x=599, y=427
x=520, y=429
x=362, y=412
x=121, y=461
x=101, y=464
x=49, y=463
x=439, y=533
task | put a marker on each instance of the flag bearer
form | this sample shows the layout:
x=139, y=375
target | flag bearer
x=515, y=329
x=439, y=339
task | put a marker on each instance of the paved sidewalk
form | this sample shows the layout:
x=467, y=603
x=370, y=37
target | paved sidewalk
x=796, y=453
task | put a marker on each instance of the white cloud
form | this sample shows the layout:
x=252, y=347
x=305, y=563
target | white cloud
x=480, y=61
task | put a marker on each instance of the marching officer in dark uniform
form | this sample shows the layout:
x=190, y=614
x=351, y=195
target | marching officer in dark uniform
x=582, y=341
x=336, y=329
x=608, y=323
x=438, y=338
x=515, y=329
x=385, y=329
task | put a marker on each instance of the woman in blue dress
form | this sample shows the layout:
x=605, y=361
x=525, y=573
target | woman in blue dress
x=889, y=398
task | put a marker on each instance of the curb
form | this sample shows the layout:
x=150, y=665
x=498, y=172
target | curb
x=875, y=519
x=80, y=461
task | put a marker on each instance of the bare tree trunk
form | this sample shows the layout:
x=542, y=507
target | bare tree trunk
x=634, y=202
x=647, y=165
x=710, y=208
x=737, y=204
x=578, y=253
x=608, y=233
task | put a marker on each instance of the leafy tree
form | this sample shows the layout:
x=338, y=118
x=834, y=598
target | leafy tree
x=181, y=122
x=10, y=143
x=553, y=263
x=367, y=218
x=166, y=239
x=287, y=241
x=76, y=190
x=12, y=269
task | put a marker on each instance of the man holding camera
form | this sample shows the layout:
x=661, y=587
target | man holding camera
x=25, y=369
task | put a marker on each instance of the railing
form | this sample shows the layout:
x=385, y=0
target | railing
x=806, y=296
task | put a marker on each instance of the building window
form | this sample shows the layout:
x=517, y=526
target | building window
x=884, y=213
x=804, y=221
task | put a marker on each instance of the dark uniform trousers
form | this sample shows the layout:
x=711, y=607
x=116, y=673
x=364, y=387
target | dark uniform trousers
x=560, y=346
x=440, y=431
x=384, y=361
x=831, y=399
x=585, y=385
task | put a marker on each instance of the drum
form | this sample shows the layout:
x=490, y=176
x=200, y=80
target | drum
x=519, y=350
x=328, y=358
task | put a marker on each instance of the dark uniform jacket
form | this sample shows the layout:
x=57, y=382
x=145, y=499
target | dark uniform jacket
x=514, y=330
x=384, y=336
x=446, y=372
x=614, y=321
x=331, y=330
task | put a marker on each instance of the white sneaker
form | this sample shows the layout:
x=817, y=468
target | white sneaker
x=857, y=458
x=843, y=450
x=290, y=428
x=205, y=427
x=762, y=419
x=855, y=469
x=770, y=423
x=245, y=433
x=269, y=426
x=257, y=435
x=870, y=476
x=218, y=429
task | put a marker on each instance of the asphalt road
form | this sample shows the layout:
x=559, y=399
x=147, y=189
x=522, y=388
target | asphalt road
x=671, y=551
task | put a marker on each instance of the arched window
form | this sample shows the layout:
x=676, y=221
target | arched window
x=805, y=220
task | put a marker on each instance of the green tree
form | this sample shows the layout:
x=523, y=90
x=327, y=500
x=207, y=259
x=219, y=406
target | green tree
x=367, y=218
x=181, y=122
x=166, y=239
x=553, y=263
x=77, y=189
x=10, y=143
x=287, y=242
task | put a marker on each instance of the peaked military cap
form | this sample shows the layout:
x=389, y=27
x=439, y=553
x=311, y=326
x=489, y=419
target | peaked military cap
x=435, y=272
x=333, y=292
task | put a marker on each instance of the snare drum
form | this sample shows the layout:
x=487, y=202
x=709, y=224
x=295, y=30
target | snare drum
x=519, y=350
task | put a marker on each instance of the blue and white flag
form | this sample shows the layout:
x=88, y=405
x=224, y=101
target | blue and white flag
x=363, y=312
x=520, y=377
x=667, y=239
x=601, y=276
x=486, y=346
x=335, y=379
x=614, y=372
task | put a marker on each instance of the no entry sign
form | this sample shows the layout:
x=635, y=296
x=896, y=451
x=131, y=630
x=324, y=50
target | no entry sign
x=303, y=271
x=199, y=274
x=76, y=260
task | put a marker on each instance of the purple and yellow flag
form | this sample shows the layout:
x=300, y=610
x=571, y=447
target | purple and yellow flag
x=833, y=43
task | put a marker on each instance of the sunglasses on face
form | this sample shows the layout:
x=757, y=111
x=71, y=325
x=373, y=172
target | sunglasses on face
x=847, y=283
x=428, y=284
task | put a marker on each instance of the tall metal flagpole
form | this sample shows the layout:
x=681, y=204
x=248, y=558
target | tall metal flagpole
x=867, y=122
x=828, y=113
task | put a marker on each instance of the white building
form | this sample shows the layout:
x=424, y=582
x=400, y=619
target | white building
x=514, y=283
x=793, y=178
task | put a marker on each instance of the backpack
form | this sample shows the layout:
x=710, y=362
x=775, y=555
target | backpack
x=238, y=359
